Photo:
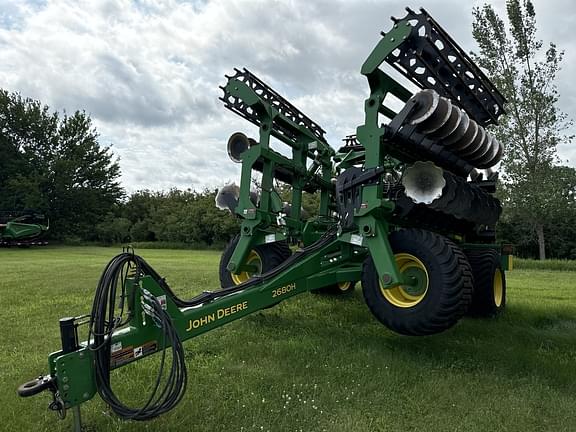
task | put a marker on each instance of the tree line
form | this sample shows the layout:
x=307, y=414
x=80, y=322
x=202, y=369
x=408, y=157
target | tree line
x=176, y=216
x=53, y=164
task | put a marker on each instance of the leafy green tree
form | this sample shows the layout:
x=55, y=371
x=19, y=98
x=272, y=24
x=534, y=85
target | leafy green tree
x=560, y=222
x=525, y=73
x=310, y=201
x=27, y=130
x=216, y=226
x=113, y=230
x=55, y=164
x=174, y=216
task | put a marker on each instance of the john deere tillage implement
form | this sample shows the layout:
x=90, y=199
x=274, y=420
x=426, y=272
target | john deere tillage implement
x=22, y=228
x=406, y=207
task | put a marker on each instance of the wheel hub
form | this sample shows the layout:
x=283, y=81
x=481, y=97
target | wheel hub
x=409, y=294
x=417, y=281
x=498, y=288
x=253, y=262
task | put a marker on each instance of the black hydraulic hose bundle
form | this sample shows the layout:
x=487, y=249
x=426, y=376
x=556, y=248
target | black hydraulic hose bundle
x=208, y=296
x=103, y=322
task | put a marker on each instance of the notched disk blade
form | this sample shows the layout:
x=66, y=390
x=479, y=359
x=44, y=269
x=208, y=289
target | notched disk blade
x=448, y=193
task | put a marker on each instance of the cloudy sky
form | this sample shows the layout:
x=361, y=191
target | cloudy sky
x=148, y=71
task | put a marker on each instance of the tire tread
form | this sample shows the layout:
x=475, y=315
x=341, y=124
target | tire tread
x=451, y=303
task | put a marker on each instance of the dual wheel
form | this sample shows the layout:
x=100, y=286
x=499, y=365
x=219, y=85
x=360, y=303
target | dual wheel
x=489, y=298
x=445, y=283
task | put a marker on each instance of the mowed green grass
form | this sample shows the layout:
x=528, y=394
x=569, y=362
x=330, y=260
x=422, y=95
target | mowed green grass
x=310, y=364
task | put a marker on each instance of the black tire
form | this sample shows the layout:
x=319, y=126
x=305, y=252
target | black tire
x=338, y=289
x=446, y=285
x=270, y=256
x=489, y=297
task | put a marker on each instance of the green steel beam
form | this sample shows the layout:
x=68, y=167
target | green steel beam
x=386, y=45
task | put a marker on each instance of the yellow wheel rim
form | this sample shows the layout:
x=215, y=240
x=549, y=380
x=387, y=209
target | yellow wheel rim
x=254, y=260
x=344, y=286
x=498, y=288
x=407, y=296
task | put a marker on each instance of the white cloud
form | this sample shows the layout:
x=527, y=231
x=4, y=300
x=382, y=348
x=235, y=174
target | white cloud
x=148, y=71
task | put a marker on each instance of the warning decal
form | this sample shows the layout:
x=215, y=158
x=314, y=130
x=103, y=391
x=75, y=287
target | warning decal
x=130, y=353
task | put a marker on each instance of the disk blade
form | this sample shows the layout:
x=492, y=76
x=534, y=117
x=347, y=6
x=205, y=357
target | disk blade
x=448, y=193
x=460, y=130
x=438, y=119
x=482, y=151
x=460, y=205
x=423, y=182
x=450, y=125
x=496, y=157
x=468, y=137
x=227, y=197
x=426, y=103
x=475, y=145
x=492, y=145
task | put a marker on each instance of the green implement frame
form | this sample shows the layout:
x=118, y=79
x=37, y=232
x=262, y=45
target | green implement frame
x=369, y=225
x=266, y=223
x=261, y=225
x=74, y=371
x=22, y=228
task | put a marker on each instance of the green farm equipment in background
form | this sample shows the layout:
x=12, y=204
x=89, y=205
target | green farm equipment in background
x=22, y=228
x=406, y=206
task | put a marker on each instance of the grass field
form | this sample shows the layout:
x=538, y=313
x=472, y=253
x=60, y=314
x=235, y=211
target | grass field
x=310, y=364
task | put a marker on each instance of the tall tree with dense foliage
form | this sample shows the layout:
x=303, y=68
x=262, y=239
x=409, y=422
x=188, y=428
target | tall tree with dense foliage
x=525, y=71
x=55, y=164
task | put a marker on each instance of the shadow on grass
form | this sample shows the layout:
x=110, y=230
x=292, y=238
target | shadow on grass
x=526, y=343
